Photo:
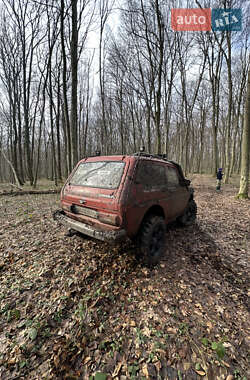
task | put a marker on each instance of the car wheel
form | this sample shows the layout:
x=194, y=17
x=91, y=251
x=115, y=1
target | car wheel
x=189, y=216
x=153, y=239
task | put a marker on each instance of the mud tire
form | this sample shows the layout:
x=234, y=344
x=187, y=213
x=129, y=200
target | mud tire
x=189, y=215
x=152, y=239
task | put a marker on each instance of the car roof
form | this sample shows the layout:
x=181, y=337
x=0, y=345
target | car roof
x=104, y=158
x=157, y=159
x=127, y=156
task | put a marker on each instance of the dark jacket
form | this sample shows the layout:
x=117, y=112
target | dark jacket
x=219, y=174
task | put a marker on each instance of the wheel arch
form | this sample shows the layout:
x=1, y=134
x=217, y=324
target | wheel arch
x=153, y=210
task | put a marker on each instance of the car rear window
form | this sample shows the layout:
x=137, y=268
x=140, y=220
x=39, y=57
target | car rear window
x=103, y=174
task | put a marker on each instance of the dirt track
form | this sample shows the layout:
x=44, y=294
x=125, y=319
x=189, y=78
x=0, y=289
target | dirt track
x=72, y=307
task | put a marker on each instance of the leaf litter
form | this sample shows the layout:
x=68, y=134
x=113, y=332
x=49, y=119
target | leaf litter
x=75, y=308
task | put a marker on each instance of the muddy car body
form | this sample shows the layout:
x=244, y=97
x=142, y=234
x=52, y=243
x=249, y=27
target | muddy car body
x=112, y=197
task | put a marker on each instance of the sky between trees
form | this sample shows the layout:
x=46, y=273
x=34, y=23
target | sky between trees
x=77, y=76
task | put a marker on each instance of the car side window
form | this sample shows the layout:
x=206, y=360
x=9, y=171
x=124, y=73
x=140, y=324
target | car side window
x=151, y=176
x=172, y=177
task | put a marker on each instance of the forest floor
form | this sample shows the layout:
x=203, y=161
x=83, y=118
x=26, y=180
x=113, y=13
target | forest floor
x=72, y=308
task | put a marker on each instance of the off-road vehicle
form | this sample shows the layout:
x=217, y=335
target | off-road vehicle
x=114, y=197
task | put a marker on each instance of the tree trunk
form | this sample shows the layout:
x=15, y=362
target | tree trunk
x=74, y=69
x=12, y=168
x=65, y=100
x=244, y=175
x=230, y=102
x=59, y=164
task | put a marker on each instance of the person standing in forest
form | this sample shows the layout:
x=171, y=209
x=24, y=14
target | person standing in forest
x=219, y=178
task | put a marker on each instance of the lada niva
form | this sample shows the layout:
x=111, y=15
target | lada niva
x=135, y=196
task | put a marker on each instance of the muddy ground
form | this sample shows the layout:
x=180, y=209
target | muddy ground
x=72, y=308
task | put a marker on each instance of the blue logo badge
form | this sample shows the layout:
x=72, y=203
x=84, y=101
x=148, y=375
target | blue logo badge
x=227, y=19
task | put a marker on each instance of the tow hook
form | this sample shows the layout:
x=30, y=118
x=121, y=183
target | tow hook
x=57, y=215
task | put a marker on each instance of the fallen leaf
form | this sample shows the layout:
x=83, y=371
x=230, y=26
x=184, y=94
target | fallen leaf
x=209, y=325
x=166, y=309
x=56, y=360
x=145, y=370
x=220, y=309
x=201, y=373
x=186, y=366
x=117, y=369
x=12, y=361
x=225, y=364
x=227, y=344
x=146, y=331
x=87, y=360
x=32, y=334
x=158, y=365
x=171, y=330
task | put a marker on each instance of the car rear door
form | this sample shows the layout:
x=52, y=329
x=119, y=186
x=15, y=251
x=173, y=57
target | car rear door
x=178, y=193
x=150, y=188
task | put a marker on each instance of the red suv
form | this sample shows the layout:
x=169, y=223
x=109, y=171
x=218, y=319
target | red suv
x=136, y=196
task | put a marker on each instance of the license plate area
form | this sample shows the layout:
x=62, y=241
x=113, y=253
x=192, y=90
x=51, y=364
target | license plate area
x=84, y=211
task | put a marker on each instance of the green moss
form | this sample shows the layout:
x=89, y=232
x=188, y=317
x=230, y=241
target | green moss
x=242, y=196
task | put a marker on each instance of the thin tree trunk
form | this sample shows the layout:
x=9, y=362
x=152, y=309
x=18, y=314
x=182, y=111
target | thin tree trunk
x=230, y=101
x=12, y=168
x=74, y=70
x=244, y=174
x=65, y=100
x=59, y=164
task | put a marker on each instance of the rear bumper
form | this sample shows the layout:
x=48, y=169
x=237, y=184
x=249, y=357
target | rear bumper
x=108, y=236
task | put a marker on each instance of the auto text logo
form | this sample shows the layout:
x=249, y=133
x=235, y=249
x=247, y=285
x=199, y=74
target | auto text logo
x=206, y=19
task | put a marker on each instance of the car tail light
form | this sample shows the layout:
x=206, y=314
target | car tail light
x=112, y=219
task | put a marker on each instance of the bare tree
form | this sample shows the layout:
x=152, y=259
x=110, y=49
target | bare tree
x=74, y=73
x=244, y=179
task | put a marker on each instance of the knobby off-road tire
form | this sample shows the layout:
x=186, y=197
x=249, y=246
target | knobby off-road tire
x=152, y=239
x=189, y=216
